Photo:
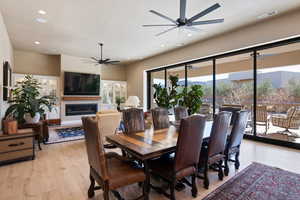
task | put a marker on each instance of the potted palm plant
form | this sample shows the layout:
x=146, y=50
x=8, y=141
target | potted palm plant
x=26, y=103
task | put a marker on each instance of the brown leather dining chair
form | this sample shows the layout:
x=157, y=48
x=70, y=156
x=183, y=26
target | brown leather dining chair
x=213, y=152
x=109, y=170
x=134, y=121
x=186, y=155
x=235, y=139
x=160, y=118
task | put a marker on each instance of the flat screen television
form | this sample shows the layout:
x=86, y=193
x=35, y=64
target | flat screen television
x=81, y=84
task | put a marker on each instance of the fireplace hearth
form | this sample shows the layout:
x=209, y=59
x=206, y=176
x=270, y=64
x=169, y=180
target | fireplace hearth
x=81, y=109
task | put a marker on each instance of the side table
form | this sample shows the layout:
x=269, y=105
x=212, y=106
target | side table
x=17, y=147
x=38, y=129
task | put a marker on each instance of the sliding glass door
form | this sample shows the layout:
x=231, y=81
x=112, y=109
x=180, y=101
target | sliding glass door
x=278, y=93
x=265, y=80
x=234, y=85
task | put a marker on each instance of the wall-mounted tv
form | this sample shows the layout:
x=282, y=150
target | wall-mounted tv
x=81, y=84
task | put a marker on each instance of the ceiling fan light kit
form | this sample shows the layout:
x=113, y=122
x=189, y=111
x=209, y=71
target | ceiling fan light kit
x=183, y=21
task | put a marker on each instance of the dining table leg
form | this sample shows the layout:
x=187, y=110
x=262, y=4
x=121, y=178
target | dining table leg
x=147, y=173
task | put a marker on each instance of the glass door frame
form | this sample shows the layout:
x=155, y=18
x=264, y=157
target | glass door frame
x=253, y=50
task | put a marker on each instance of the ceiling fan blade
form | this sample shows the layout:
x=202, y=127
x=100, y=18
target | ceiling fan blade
x=213, y=21
x=163, y=16
x=105, y=60
x=182, y=10
x=95, y=59
x=153, y=25
x=204, y=12
x=192, y=28
x=170, y=29
x=112, y=62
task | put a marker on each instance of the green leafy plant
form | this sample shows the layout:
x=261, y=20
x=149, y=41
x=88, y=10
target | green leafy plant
x=167, y=97
x=192, y=98
x=119, y=100
x=26, y=99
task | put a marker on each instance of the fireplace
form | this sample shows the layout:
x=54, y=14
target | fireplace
x=81, y=109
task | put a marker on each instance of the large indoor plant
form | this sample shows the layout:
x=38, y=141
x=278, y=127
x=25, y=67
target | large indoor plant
x=26, y=103
x=192, y=98
x=167, y=97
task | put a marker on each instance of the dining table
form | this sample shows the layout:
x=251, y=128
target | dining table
x=151, y=144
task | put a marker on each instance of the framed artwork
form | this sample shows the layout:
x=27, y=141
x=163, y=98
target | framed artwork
x=7, y=80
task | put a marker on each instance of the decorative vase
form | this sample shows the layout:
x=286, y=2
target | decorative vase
x=10, y=126
x=32, y=120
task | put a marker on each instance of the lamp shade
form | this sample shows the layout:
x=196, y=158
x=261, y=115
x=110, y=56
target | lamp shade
x=132, y=101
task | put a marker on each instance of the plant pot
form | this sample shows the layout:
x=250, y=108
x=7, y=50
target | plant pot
x=10, y=126
x=32, y=120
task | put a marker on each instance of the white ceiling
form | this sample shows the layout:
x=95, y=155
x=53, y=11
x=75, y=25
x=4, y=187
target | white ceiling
x=75, y=26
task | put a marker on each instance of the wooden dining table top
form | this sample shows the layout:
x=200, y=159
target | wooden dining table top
x=151, y=143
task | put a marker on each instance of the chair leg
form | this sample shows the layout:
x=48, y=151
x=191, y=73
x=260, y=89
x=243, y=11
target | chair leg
x=206, y=180
x=237, y=161
x=172, y=190
x=194, y=186
x=220, y=171
x=106, y=191
x=226, y=169
x=91, y=191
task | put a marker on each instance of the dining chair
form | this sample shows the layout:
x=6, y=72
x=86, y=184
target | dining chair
x=133, y=119
x=110, y=170
x=186, y=156
x=109, y=123
x=180, y=112
x=160, y=117
x=235, y=139
x=234, y=109
x=213, y=152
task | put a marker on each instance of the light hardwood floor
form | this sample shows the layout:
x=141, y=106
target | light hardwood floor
x=60, y=172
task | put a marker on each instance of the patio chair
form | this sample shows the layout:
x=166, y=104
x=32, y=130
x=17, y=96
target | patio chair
x=290, y=120
x=262, y=117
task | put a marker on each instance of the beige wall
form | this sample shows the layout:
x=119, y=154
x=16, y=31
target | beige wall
x=6, y=54
x=279, y=27
x=27, y=62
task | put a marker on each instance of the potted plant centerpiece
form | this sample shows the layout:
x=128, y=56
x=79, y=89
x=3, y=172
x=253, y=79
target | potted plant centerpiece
x=26, y=103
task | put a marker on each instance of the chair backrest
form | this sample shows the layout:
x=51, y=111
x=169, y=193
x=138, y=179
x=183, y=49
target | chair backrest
x=189, y=141
x=218, y=134
x=238, y=129
x=233, y=109
x=261, y=113
x=290, y=112
x=160, y=118
x=109, y=123
x=294, y=122
x=134, y=121
x=180, y=112
x=94, y=146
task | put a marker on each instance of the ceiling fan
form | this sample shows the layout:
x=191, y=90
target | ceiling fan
x=182, y=21
x=101, y=60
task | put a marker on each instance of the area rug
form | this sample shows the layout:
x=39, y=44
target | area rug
x=65, y=135
x=259, y=182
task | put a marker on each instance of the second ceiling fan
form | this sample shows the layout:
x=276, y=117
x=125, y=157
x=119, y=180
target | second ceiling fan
x=182, y=21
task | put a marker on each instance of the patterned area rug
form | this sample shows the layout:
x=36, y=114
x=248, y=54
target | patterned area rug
x=259, y=182
x=65, y=135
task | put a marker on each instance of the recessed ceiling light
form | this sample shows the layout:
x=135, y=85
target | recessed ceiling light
x=41, y=20
x=42, y=12
x=180, y=44
x=189, y=35
x=37, y=42
x=268, y=14
x=162, y=45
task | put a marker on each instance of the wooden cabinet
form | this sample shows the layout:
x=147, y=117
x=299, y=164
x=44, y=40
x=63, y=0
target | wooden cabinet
x=17, y=147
